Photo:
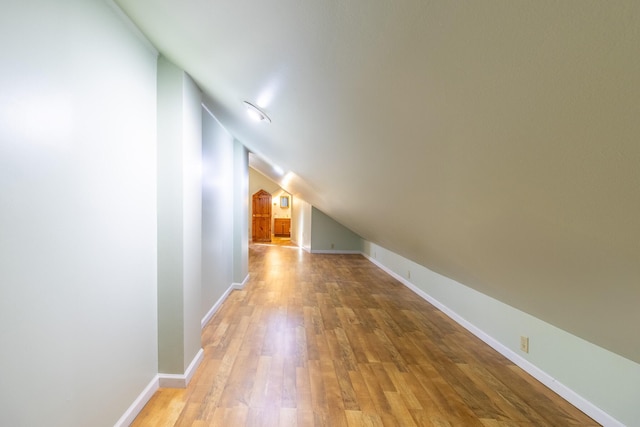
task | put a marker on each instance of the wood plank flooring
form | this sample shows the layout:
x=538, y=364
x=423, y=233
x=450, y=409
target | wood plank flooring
x=331, y=340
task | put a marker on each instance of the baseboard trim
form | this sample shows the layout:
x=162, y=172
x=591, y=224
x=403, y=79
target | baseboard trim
x=217, y=304
x=565, y=392
x=181, y=381
x=334, y=251
x=136, y=407
x=240, y=285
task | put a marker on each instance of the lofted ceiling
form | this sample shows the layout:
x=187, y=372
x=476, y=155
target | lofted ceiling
x=495, y=142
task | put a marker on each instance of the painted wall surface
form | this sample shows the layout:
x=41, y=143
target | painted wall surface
x=240, y=212
x=179, y=218
x=607, y=380
x=329, y=235
x=77, y=214
x=217, y=211
x=258, y=182
x=301, y=225
x=276, y=210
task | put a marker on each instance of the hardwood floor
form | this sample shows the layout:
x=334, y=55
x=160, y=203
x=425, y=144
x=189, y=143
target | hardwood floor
x=331, y=340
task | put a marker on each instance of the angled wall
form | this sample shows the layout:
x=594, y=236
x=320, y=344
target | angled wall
x=257, y=182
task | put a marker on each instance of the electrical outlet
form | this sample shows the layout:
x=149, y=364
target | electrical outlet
x=524, y=344
x=332, y=245
x=408, y=274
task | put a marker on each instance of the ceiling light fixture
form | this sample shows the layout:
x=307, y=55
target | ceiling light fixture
x=255, y=113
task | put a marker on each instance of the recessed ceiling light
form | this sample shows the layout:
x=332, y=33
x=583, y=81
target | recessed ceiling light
x=255, y=113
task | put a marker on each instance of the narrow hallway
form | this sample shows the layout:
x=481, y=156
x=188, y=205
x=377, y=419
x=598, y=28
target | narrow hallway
x=331, y=340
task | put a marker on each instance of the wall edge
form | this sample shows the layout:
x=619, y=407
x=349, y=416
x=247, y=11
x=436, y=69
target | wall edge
x=136, y=407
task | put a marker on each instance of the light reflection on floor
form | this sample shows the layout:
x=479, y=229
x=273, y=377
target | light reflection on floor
x=278, y=241
x=276, y=258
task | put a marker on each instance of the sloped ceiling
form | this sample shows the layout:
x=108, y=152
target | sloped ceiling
x=495, y=142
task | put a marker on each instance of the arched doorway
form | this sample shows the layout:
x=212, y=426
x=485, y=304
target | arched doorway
x=261, y=222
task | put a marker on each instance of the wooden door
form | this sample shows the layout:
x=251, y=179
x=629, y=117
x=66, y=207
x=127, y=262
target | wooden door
x=261, y=230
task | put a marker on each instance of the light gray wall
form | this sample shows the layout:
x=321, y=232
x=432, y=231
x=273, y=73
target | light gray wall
x=77, y=214
x=170, y=211
x=217, y=211
x=179, y=218
x=192, y=218
x=240, y=212
x=329, y=235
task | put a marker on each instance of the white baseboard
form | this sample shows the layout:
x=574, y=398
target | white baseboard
x=565, y=392
x=132, y=412
x=333, y=251
x=241, y=285
x=181, y=381
x=217, y=304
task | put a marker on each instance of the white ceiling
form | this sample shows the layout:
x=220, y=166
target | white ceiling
x=495, y=142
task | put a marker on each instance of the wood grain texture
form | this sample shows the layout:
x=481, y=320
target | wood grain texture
x=332, y=340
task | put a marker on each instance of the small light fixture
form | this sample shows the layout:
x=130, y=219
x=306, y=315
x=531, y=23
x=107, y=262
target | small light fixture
x=255, y=113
